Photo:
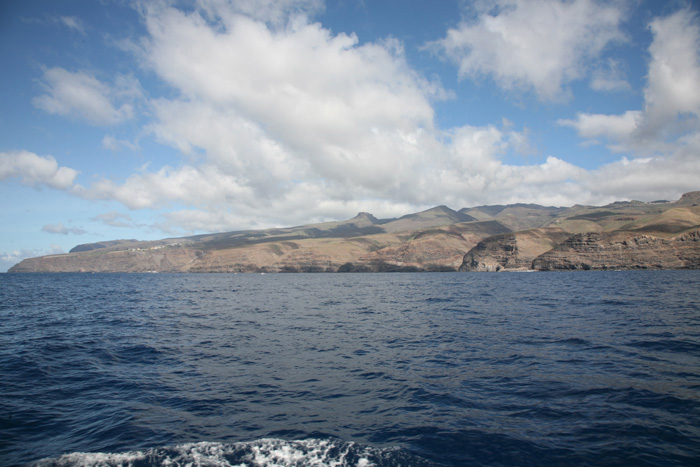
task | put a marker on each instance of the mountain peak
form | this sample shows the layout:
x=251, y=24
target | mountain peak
x=692, y=197
x=364, y=215
x=441, y=208
x=444, y=211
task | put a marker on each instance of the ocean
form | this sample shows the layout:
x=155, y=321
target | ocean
x=415, y=369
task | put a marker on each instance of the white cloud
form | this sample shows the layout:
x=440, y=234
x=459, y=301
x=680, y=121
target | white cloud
x=35, y=170
x=59, y=228
x=201, y=186
x=235, y=146
x=532, y=44
x=613, y=127
x=660, y=177
x=674, y=71
x=299, y=78
x=270, y=106
x=81, y=95
x=671, y=98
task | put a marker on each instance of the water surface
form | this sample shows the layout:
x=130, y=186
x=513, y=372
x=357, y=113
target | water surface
x=353, y=369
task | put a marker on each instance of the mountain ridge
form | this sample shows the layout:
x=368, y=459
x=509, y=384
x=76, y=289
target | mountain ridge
x=483, y=238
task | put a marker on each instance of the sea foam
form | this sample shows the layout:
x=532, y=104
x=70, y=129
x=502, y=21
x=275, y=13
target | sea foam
x=266, y=452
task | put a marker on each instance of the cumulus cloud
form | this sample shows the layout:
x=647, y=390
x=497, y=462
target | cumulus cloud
x=276, y=109
x=658, y=177
x=671, y=98
x=81, y=95
x=541, y=45
x=189, y=185
x=35, y=170
x=59, y=228
x=674, y=71
x=612, y=127
x=298, y=78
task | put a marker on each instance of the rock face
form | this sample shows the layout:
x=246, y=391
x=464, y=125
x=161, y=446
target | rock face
x=430, y=250
x=692, y=198
x=623, y=235
x=622, y=250
x=513, y=251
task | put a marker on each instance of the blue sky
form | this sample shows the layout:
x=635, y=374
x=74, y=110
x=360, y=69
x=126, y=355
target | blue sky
x=151, y=119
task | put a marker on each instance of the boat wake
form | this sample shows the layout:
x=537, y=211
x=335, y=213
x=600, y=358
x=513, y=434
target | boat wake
x=260, y=453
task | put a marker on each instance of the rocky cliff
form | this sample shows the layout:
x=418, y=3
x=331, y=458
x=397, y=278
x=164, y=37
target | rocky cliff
x=622, y=250
x=623, y=235
x=513, y=251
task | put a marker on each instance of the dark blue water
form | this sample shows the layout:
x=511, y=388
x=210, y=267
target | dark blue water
x=578, y=368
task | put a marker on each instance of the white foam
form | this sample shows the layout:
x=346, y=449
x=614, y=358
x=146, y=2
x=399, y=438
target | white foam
x=95, y=459
x=267, y=452
x=312, y=453
x=197, y=454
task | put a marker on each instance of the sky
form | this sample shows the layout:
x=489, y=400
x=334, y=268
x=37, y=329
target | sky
x=153, y=119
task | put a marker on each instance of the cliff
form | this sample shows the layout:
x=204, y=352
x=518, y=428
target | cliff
x=512, y=251
x=622, y=250
x=622, y=235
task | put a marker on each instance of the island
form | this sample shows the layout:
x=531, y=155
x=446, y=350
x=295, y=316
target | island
x=518, y=237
